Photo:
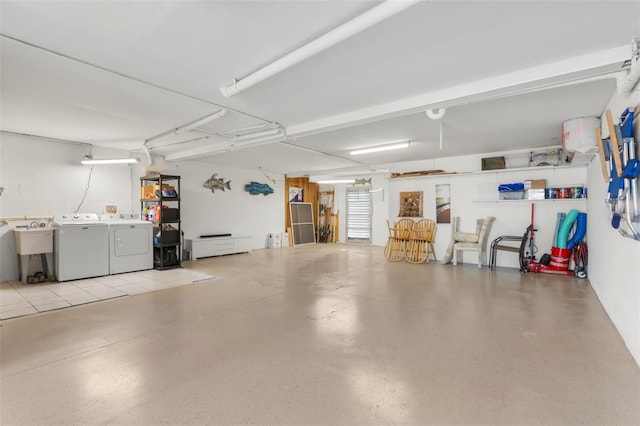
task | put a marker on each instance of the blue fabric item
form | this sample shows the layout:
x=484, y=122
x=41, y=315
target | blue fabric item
x=632, y=169
x=626, y=123
x=581, y=230
x=504, y=187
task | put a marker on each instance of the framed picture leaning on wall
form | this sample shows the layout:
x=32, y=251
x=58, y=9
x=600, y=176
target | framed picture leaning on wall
x=410, y=204
x=443, y=203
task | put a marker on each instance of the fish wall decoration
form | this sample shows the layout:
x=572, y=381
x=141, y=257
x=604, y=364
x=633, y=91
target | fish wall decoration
x=362, y=182
x=255, y=188
x=214, y=183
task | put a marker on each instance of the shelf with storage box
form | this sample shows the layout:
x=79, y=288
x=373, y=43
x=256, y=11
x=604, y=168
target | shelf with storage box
x=218, y=246
x=530, y=190
x=160, y=203
x=528, y=200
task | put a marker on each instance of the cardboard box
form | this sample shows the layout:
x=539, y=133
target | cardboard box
x=165, y=187
x=493, y=163
x=147, y=191
x=535, y=184
x=535, y=194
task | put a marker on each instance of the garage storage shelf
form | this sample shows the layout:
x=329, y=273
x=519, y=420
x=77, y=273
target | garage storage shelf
x=546, y=200
x=167, y=231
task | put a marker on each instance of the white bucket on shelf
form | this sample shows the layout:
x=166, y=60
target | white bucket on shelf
x=579, y=134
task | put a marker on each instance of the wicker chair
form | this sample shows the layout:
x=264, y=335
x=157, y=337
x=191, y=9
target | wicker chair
x=421, y=243
x=399, y=237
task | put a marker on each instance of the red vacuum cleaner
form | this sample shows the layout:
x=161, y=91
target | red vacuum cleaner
x=558, y=261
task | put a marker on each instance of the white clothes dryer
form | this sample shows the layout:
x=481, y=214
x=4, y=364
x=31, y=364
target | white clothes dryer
x=81, y=246
x=130, y=243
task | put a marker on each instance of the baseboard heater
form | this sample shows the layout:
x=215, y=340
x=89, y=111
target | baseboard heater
x=223, y=244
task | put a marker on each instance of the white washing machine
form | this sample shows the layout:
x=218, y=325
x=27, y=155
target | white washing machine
x=81, y=246
x=130, y=243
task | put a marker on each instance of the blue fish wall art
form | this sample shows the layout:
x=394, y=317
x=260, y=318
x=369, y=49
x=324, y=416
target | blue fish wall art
x=255, y=188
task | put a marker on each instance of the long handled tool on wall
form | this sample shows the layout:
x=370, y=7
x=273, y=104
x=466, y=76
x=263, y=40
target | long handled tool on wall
x=619, y=151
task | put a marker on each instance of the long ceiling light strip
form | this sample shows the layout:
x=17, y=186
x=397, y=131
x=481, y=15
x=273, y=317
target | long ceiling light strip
x=199, y=122
x=88, y=159
x=267, y=134
x=380, y=148
x=248, y=129
x=186, y=127
x=358, y=24
x=336, y=181
x=225, y=147
x=316, y=151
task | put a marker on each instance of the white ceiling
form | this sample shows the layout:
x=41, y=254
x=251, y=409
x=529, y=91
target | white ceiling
x=117, y=74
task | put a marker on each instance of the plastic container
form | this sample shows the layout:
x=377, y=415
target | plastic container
x=563, y=193
x=576, y=192
x=169, y=237
x=512, y=195
x=169, y=214
x=551, y=193
x=275, y=240
x=560, y=258
x=579, y=134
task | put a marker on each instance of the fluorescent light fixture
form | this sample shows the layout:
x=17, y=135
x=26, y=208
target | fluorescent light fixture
x=250, y=129
x=259, y=136
x=380, y=148
x=360, y=23
x=199, y=122
x=88, y=159
x=338, y=181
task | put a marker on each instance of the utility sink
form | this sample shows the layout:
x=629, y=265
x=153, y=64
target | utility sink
x=34, y=240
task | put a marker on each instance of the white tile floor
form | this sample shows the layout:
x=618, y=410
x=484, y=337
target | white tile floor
x=18, y=299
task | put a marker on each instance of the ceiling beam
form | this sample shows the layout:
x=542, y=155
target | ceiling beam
x=573, y=70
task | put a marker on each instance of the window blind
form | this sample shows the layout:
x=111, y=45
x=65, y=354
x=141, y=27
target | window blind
x=359, y=213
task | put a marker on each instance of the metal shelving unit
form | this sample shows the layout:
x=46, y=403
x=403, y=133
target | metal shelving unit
x=167, y=230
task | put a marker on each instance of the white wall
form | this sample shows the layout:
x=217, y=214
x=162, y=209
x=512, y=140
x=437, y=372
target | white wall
x=235, y=211
x=614, y=261
x=45, y=178
x=512, y=217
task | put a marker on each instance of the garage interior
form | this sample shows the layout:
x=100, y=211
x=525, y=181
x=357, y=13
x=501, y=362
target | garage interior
x=239, y=98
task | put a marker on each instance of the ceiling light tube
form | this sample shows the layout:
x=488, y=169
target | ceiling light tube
x=358, y=24
x=259, y=135
x=245, y=129
x=337, y=181
x=90, y=160
x=205, y=151
x=199, y=122
x=380, y=148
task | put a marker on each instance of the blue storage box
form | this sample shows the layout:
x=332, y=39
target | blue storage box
x=508, y=187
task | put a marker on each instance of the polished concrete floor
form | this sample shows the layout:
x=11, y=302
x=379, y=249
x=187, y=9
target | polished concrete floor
x=329, y=335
